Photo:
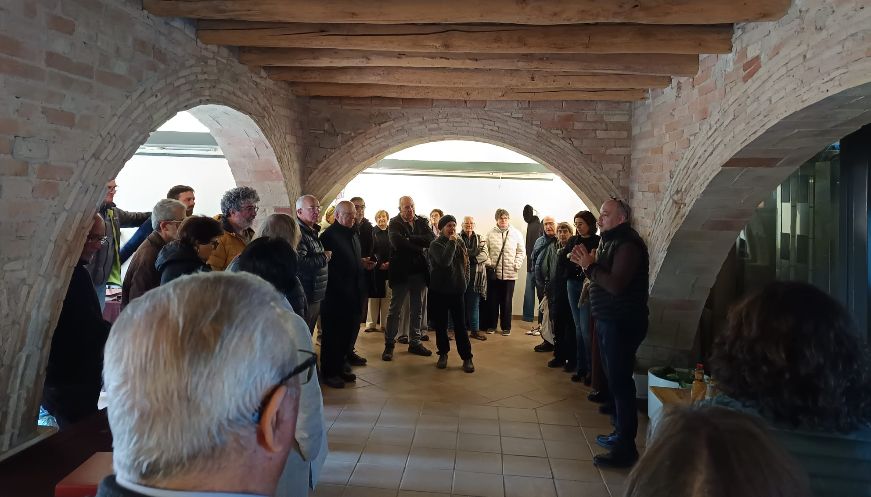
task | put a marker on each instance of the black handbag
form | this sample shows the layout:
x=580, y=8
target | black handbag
x=491, y=270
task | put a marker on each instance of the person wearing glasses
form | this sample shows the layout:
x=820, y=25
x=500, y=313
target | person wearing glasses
x=75, y=362
x=238, y=211
x=367, y=242
x=142, y=273
x=238, y=410
x=312, y=258
x=197, y=238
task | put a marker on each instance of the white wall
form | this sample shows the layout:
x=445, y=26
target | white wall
x=476, y=197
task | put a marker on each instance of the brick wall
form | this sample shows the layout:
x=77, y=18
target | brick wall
x=586, y=143
x=706, y=150
x=82, y=83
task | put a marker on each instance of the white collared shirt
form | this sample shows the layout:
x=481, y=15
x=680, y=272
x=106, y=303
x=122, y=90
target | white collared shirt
x=160, y=492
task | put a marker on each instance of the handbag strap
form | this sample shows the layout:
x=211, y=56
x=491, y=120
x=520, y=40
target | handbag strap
x=502, y=250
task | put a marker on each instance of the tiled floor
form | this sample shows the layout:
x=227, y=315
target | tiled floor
x=514, y=428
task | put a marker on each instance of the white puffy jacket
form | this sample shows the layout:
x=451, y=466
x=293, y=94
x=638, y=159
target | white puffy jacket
x=513, y=254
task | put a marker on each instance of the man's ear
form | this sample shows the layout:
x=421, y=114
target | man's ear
x=269, y=421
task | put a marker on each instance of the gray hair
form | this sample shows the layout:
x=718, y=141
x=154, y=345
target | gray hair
x=221, y=341
x=300, y=201
x=281, y=226
x=166, y=209
x=501, y=212
x=235, y=197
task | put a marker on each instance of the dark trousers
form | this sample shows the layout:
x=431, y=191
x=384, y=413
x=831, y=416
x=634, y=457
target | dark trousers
x=312, y=312
x=69, y=404
x=500, y=294
x=440, y=305
x=598, y=380
x=619, y=340
x=564, y=347
x=339, y=324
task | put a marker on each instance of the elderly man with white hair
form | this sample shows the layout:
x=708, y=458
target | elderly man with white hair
x=212, y=392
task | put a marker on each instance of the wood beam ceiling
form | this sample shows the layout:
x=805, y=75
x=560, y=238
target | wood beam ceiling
x=390, y=91
x=539, y=12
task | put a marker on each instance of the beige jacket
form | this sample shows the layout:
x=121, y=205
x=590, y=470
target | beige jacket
x=513, y=254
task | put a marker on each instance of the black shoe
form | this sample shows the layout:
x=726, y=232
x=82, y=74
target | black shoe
x=588, y=379
x=468, y=366
x=577, y=378
x=570, y=368
x=348, y=377
x=335, y=382
x=607, y=409
x=346, y=368
x=442, y=362
x=419, y=349
x=387, y=355
x=477, y=335
x=622, y=458
x=544, y=346
x=424, y=338
x=607, y=441
x=597, y=397
x=356, y=360
x=403, y=339
x=555, y=363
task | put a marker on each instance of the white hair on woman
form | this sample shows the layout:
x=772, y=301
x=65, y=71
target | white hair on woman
x=186, y=368
x=167, y=209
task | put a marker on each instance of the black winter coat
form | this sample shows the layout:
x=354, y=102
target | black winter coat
x=311, y=263
x=574, y=272
x=409, y=242
x=346, y=286
x=178, y=259
x=619, y=276
x=380, y=254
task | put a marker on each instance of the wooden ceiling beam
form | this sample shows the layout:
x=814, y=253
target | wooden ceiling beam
x=656, y=64
x=585, y=38
x=365, y=91
x=471, y=78
x=536, y=12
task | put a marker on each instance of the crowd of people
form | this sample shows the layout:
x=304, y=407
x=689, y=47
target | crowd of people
x=792, y=372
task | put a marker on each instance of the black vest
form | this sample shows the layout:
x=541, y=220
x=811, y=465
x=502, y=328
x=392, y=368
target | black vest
x=632, y=302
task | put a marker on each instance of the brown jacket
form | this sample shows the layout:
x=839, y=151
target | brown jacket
x=141, y=274
x=230, y=245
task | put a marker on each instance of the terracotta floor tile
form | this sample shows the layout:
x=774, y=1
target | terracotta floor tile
x=427, y=457
x=412, y=493
x=345, y=452
x=368, y=492
x=574, y=469
x=438, y=422
x=560, y=432
x=479, y=443
x=478, y=462
x=524, y=486
x=391, y=435
x=523, y=447
x=370, y=475
x=435, y=439
x=479, y=426
x=567, y=488
x=517, y=414
x=427, y=480
x=526, y=466
x=384, y=455
x=557, y=449
x=336, y=472
x=519, y=429
x=327, y=490
x=479, y=412
x=478, y=484
x=557, y=418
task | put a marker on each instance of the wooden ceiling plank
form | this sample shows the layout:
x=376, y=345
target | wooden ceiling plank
x=534, y=12
x=655, y=64
x=471, y=78
x=365, y=91
x=586, y=38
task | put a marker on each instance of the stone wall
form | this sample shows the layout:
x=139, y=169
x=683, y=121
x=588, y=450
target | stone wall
x=586, y=143
x=82, y=83
x=706, y=150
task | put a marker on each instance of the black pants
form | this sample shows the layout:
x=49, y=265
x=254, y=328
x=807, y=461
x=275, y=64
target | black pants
x=440, y=305
x=312, y=312
x=500, y=295
x=565, y=345
x=619, y=340
x=339, y=325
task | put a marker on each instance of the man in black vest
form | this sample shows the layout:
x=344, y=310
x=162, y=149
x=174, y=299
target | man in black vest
x=618, y=297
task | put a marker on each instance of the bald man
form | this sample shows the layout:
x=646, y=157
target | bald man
x=618, y=274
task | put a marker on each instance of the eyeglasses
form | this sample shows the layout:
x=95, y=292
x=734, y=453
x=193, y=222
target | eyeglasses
x=307, y=367
x=252, y=208
x=313, y=208
x=360, y=207
x=97, y=238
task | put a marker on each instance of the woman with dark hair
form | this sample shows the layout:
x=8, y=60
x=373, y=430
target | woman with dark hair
x=585, y=234
x=714, y=452
x=197, y=238
x=791, y=354
x=274, y=260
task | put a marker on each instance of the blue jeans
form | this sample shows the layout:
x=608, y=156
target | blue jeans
x=529, y=298
x=472, y=301
x=618, y=342
x=100, y=290
x=582, y=325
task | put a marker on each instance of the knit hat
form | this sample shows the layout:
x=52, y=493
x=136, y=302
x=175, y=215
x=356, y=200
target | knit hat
x=445, y=220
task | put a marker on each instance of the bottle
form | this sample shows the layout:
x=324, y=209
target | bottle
x=699, y=387
x=712, y=389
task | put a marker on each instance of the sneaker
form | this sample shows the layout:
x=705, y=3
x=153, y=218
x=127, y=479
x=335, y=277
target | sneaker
x=419, y=349
x=424, y=338
x=536, y=333
x=356, y=360
x=370, y=330
x=544, y=346
x=624, y=458
x=334, y=382
x=403, y=339
x=442, y=362
x=505, y=333
x=348, y=377
x=535, y=330
x=468, y=366
x=387, y=355
x=477, y=336
x=555, y=363
x=490, y=331
x=607, y=441
x=530, y=332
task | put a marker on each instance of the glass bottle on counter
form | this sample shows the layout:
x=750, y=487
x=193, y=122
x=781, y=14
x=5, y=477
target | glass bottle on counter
x=699, y=387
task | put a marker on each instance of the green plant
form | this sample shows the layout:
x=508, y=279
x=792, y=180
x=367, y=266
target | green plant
x=683, y=377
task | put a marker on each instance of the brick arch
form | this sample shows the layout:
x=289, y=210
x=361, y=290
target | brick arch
x=244, y=111
x=561, y=157
x=764, y=123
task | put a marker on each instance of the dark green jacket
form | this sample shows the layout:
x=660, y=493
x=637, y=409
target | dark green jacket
x=448, y=267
